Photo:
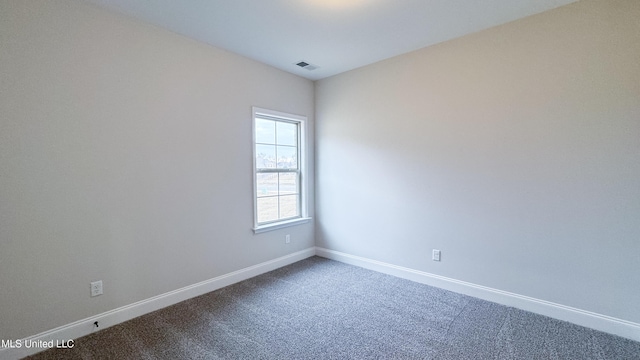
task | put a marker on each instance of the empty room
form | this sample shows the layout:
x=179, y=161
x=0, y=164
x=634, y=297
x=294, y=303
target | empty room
x=320, y=179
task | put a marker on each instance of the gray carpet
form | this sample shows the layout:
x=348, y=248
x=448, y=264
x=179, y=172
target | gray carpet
x=322, y=309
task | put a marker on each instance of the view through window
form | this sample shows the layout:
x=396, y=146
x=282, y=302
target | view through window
x=277, y=168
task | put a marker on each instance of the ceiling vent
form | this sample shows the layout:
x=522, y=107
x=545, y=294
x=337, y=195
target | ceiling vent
x=307, y=66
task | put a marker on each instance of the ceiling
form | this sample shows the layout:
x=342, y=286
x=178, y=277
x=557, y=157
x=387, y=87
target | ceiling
x=335, y=35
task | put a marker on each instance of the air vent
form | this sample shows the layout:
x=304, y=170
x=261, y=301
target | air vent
x=306, y=65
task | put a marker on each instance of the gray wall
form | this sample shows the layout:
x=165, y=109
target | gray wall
x=515, y=151
x=125, y=155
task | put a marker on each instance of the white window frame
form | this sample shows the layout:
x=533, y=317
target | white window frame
x=300, y=121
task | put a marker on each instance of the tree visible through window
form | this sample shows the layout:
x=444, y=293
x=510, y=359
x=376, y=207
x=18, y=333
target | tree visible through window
x=277, y=168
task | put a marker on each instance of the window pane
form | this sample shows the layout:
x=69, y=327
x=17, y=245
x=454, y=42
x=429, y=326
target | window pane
x=278, y=167
x=265, y=131
x=267, y=184
x=288, y=206
x=267, y=209
x=288, y=183
x=265, y=156
x=287, y=157
x=287, y=134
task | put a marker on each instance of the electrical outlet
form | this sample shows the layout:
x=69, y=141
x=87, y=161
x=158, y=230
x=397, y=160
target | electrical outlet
x=435, y=256
x=96, y=288
x=287, y=238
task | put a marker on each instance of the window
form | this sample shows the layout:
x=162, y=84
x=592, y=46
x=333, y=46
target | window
x=279, y=169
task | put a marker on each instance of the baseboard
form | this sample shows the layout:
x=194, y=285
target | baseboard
x=86, y=326
x=608, y=324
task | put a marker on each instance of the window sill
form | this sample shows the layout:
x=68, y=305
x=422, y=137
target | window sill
x=280, y=225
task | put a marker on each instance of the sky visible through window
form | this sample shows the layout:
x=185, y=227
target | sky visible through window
x=276, y=145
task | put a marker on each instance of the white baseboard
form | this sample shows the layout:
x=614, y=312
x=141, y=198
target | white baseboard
x=86, y=326
x=608, y=324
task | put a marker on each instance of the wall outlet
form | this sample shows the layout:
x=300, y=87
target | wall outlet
x=287, y=238
x=96, y=288
x=435, y=255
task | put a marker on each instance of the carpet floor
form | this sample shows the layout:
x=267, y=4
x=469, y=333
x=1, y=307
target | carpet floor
x=323, y=309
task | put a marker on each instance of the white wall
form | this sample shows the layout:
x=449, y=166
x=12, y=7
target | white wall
x=515, y=151
x=125, y=156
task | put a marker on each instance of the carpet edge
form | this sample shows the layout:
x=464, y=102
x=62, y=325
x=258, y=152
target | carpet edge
x=600, y=322
x=119, y=315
